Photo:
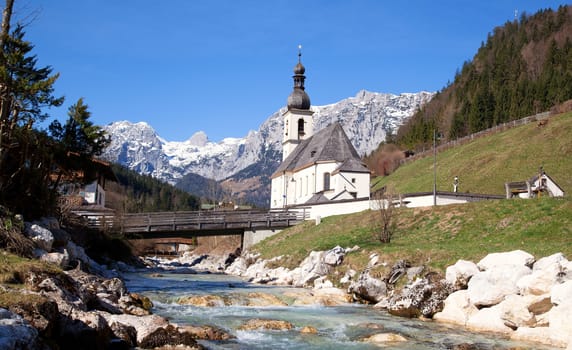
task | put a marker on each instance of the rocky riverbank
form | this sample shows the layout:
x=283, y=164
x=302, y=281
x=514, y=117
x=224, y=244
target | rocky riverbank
x=508, y=293
x=80, y=304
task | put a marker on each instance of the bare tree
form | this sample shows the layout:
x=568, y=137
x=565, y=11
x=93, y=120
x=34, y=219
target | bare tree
x=385, y=200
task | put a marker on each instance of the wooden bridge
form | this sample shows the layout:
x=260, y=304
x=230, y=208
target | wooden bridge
x=186, y=224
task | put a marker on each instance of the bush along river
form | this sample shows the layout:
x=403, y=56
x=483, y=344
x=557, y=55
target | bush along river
x=260, y=316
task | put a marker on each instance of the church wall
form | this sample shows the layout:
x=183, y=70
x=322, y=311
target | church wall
x=360, y=185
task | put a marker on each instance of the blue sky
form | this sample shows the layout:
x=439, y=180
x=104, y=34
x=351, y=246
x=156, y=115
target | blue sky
x=224, y=66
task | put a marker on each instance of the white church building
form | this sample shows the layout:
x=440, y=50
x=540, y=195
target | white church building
x=317, y=169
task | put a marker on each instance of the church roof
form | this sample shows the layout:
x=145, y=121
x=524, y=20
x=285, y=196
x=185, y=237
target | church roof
x=327, y=145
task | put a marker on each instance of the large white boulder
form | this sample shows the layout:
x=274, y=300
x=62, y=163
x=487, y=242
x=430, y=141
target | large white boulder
x=561, y=293
x=488, y=320
x=457, y=309
x=368, y=288
x=547, y=263
x=42, y=237
x=491, y=286
x=334, y=256
x=546, y=273
x=515, y=313
x=515, y=257
x=60, y=259
x=460, y=273
x=560, y=324
x=142, y=324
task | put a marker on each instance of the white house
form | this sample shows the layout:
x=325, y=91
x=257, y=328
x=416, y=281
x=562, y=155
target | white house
x=539, y=185
x=316, y=168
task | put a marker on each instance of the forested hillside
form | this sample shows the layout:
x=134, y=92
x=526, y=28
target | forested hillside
x=523, y=68
x=137, y=193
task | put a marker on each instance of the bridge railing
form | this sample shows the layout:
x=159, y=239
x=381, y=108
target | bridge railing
x=205, y=220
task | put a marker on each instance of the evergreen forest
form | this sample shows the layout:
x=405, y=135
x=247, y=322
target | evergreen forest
x=523, y=68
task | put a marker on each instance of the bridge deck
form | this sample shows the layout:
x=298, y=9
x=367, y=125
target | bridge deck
x=199, y=223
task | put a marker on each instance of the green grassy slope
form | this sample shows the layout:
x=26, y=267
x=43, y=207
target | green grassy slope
x=436, y=237
x=439, y=236
x=485, y=164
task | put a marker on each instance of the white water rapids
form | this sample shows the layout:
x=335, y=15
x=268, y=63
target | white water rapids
x=338, y=327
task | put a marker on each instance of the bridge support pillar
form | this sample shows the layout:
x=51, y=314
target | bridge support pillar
x=251, y=237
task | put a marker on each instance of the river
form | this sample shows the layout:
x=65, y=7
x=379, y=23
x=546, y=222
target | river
x=338, y=327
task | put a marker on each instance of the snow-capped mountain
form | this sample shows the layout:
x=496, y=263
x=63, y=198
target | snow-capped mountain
x=366, y=118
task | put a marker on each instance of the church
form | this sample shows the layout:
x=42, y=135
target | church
x=317, y=168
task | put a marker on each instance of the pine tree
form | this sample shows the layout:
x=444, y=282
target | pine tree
x=79, y=135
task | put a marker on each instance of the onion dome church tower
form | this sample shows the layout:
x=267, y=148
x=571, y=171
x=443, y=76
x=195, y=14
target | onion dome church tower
x=298, y=124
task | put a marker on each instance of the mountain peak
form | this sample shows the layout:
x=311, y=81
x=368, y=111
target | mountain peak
x=198, y=139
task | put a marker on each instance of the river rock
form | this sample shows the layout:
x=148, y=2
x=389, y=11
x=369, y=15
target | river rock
x=16, y=333
x=238, y=267
x=561, y=293
x=367, y=288
x=492, y=285
x=62, y=290
x=84, y=327
x=264, y=299
x=397, y=270
x=207, y=332
x=135, y=304
x=41, y=236
x=59, y=259
x=488, y=320
x=459, y=274
x=334, y=256
x=204, y=300
x=155, y=331
x=515, y=313
x=331, y=296
x=515, y=257
x=308, y=330
x=127, y=334
x=546, y=273
x=312, y=267
x=424, y=297
x=258, y=323
x=560, y=325
x=457, y=309
x=383, y=338
x=169, y=336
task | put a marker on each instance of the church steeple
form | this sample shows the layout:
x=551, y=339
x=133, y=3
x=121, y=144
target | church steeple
x=298, y=123
x=299, y=99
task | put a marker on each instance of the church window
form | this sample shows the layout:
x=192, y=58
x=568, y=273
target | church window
x=326, y=181
x=307, y=185
x=301, y=127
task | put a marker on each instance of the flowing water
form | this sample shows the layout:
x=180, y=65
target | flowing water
x=339, y=327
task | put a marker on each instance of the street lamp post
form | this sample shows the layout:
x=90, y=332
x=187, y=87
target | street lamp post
x=434, y=167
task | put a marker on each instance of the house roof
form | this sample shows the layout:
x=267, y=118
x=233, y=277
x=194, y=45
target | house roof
x=522, y=185
x=329, y=144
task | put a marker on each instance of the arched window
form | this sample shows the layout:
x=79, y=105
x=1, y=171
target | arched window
x=326, y=181
x=301, y=128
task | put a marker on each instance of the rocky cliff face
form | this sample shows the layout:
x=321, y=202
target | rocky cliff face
x=367, y=118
